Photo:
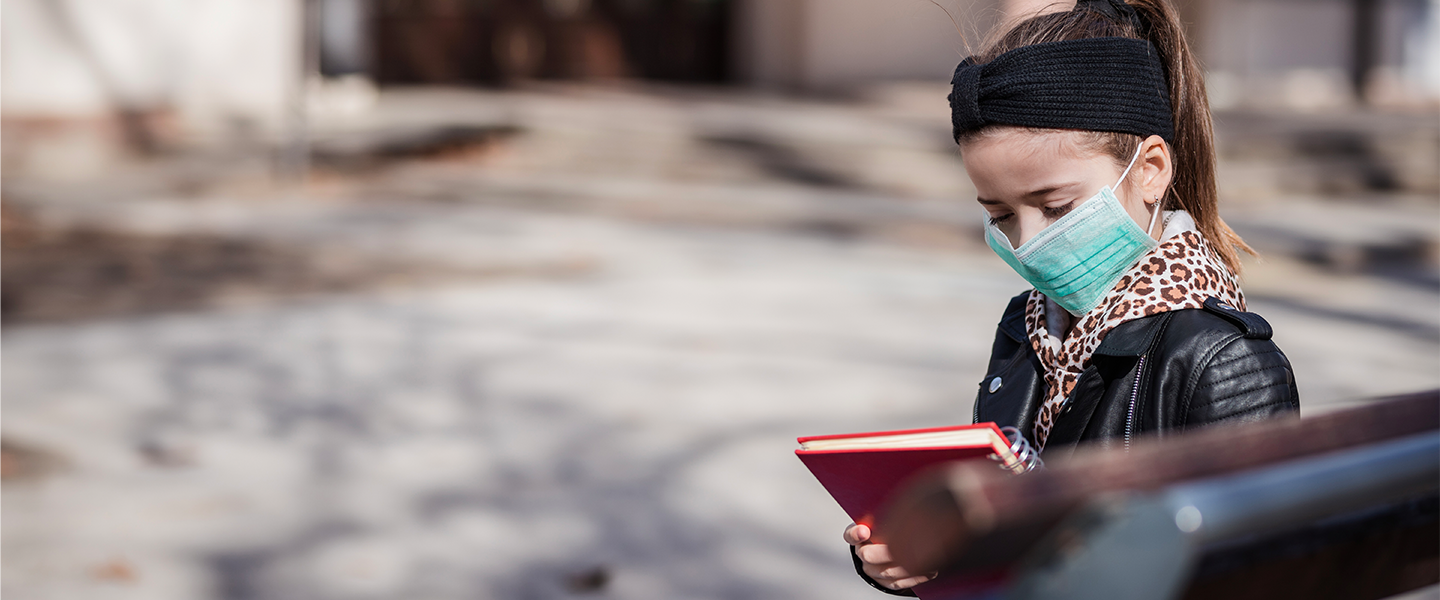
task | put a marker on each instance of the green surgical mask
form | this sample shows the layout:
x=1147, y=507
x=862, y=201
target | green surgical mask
x=1078, y=258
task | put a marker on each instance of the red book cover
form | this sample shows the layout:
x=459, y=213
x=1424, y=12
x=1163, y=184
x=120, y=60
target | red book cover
x=861, y=480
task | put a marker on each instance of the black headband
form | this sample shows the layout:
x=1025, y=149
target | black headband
x=1095, y=84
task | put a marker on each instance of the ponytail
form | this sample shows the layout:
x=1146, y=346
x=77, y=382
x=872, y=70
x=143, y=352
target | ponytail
x=1193, y=188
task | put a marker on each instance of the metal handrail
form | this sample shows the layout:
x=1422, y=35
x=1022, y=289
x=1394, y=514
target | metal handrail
x=1143, y=546
x=1297, y=492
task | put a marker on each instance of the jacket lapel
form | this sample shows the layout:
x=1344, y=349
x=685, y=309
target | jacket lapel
x=1132, y=338
x=1114, y=359
x=1012, y=324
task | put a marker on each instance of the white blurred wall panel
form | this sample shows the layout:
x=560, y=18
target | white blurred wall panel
x=212, y=62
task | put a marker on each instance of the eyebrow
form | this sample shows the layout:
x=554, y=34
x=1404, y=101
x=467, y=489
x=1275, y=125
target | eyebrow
x=1049, y=189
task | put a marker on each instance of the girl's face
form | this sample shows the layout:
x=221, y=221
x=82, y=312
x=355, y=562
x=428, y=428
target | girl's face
x=1026, y=179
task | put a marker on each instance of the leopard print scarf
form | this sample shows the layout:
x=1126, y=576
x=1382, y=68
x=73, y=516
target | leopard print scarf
x=1179, y=273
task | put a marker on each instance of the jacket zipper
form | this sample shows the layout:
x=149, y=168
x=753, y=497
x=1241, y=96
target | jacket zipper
x=1134, y=399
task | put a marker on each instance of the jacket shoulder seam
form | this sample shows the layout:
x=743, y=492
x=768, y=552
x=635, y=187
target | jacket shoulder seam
x=1247, y=356
x=1248, y=410
x=1263, y=387
x=1237, y=376
x=1200, y=366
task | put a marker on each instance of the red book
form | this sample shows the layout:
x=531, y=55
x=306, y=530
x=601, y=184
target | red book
x=861, y=470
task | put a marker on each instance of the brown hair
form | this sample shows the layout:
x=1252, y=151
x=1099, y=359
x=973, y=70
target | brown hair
x=1193, y=187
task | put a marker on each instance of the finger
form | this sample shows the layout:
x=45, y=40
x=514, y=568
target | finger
x=857, y=534
x=874, y=554
x=892, y=572
x=908, y=582
x=877, y=572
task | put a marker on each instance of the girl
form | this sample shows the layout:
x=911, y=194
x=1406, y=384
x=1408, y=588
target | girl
x=1087, y=134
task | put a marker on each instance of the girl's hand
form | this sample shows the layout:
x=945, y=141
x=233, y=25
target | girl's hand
x=877, y=562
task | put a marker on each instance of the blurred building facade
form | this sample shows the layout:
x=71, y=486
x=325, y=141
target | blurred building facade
x=1323, y=54
x=146, y=69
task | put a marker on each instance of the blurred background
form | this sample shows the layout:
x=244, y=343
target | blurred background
x=530, y=298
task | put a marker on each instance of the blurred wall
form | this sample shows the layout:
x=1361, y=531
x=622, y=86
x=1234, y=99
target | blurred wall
x=1260, y=53
x=143, y=71
x=1303, y=53
x=204, y=66
x=830, y=44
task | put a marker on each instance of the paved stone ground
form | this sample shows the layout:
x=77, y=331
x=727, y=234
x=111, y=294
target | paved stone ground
x=618, y=429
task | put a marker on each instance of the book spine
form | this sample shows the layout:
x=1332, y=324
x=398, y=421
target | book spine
x=1027, y=458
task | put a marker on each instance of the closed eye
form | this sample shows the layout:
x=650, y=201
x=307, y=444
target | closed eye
x=1056, y=212
x=1001, y=219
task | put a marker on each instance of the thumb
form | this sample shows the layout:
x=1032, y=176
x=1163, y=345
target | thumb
x=857, y=534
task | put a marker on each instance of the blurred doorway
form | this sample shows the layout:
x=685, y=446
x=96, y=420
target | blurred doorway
x=492, y=42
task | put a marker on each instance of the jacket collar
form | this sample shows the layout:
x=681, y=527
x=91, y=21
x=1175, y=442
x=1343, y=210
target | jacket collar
x=1133, y=338
x=1013, y=323
x=1128, y=339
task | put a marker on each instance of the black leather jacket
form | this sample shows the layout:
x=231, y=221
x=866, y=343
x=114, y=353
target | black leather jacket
x=1155, y=375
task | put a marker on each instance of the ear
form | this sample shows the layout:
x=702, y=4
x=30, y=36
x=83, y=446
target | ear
x=1156, y=169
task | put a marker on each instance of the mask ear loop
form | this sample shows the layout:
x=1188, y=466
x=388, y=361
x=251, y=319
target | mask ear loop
x=1156, y=213
x=1129, y=166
